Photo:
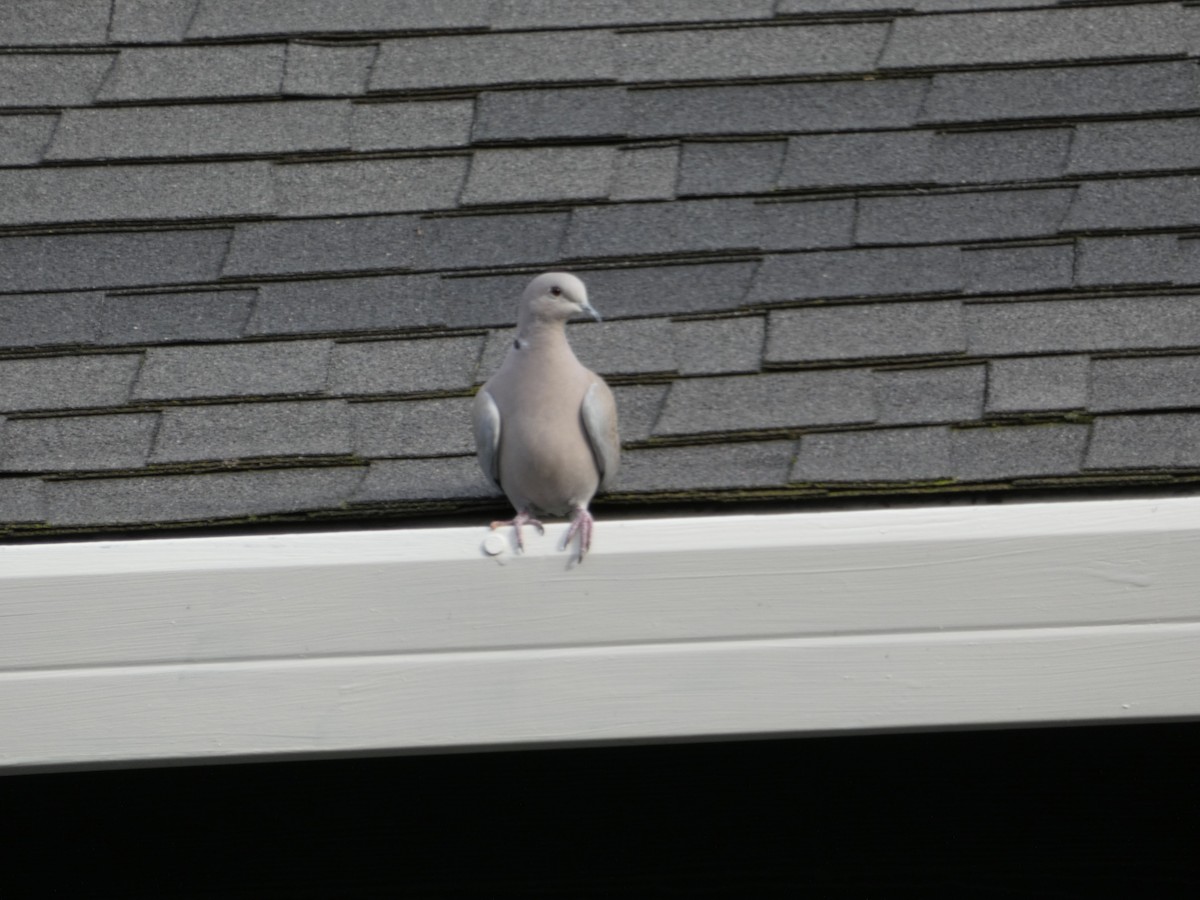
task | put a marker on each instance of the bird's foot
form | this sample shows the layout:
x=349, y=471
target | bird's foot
x=524, y=517
x=581, y=524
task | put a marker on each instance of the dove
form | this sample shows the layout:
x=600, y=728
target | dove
x=545, y=425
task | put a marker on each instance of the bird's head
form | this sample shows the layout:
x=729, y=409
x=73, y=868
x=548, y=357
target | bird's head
x=556, y=296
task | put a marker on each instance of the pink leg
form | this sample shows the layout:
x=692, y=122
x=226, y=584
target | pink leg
x=524, y=517
x=581, y=523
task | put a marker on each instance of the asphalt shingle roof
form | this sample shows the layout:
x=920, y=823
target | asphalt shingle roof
x=256, y=257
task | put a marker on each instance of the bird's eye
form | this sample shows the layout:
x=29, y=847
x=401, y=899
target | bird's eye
x=556, y=290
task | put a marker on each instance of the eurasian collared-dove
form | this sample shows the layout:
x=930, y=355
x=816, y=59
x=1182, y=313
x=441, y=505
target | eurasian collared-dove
x=545, y=426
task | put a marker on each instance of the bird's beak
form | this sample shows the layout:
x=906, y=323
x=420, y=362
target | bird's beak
x=591, y=311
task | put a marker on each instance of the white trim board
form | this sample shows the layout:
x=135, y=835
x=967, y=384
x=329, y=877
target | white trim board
x=199, y=649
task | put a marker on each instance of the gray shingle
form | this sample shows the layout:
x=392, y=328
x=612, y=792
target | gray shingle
x=150, y=21
x=167, y=317
x=712, y=467
x=407, y=126
x=978, y=157
x=495, y=348
x=1034, y=36
x=43, y=320
x=522, y=14
x=156, y=73
x=801, y=225
x=886, y=455
x=233, y=370
x=638, y=406
x=253, y=430
x=827, y=7
x=369, y=186
x=1018, y=451
x=1144, y=259
x=775, y=108
x=643, y=291
x=236, y=18
x=488, y=59
x=1145, y=442
x=716, y=346
x=66, y=382
x=970, y=5
x=439, y=427
x=1037, y=383
x=828, y=160
x=866, y=331
x=399, y=480
x=77, y=443
x=696, y=225
x=645, y=173
x=202, y=130
x=328, y=245
x=1051, y=93
x=346, y=305
x=1187, y=262
x=54, y=22
x=487, y=300
x=1083, y=325
x=1141, y=146
x=749, y=52
x=859, y=273
x=134, y=193
x=930, y=395
x=539, y=114
x=460, y=242
x=22, y=500
x=766, y=402
x=110, y=259
x=198, y=498
x=994, y=270
x=1129, y=385
x=650, y=228
x=539, y=174
x=23, y=139
x=987, y=215
x=658, y=290
x=833, y=7
x=405, y=367
x=46, y=79
x=730, y=167
x=327, y=70
x=624, y=348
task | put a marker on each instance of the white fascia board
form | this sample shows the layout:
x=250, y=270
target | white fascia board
x=202, y=649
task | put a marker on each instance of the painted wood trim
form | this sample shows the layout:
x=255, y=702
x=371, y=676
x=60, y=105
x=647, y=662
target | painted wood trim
x=208, y=648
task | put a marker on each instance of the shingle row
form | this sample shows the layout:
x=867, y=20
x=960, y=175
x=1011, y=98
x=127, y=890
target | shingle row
x=885, y=457
x=417, y=301
x=225, y=18
x=502, y=177
x=795, y=50
x=802, y=162
x=244, y=189
x=68, y=22
x=711, y=402
x=340, y=305
x=826, y=106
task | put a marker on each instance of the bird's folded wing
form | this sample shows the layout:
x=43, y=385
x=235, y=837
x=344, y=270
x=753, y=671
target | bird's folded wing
x=599, y=413
x=486, y=420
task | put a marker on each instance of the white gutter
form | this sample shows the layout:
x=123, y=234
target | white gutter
x=198, y=649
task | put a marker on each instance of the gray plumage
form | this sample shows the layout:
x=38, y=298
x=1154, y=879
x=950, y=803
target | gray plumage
x=546, y=426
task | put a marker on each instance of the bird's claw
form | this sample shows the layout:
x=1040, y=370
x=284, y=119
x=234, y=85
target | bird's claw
x=522, y=518
x=581, y=524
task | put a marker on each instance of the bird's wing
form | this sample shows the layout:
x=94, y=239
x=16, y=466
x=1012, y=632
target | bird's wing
x=486, y=421
x=599, y=413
